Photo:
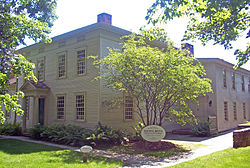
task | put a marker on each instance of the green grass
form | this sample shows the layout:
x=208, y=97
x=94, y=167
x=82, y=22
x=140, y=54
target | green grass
x=229, y=158
x=19, y=154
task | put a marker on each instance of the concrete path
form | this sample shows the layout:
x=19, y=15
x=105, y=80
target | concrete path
x=217, y=143
x=220, y=142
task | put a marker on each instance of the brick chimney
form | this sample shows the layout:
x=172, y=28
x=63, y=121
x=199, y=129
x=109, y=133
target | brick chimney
x=104, y=18
x=189, y=47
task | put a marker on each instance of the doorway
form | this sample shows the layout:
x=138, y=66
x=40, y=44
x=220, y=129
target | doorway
x=41, y=111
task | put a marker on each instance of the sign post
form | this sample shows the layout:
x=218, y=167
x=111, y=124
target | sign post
x=85, y=149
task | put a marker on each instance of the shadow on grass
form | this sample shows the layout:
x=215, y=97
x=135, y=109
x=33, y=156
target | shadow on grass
x=16, y=147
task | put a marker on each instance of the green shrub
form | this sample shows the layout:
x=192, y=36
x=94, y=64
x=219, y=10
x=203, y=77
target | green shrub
x=61, y=134
x=202, y=129
x=77, y=136
x=11, y=129
x=138, y=128
x=36, y=131
x=104, y=135
x=68, y=135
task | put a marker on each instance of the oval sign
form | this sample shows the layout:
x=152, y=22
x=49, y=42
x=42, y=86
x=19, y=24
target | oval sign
x=153, y=133
x=86, y=149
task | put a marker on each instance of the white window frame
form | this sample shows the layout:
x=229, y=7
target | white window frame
x=58, y=109
x=128, y=108
x=225, y=107
x=65, y=65
x=83, y=70
x=244, y=110
x=235, y=110
x=77, y=107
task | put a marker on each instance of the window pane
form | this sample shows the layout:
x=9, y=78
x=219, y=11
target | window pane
x=60, y=107
x=128, y=108
x=80, y=110
x=61, y=66
x=81, y=62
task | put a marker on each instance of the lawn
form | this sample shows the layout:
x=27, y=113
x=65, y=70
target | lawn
x=229, y=158
x=19, y=154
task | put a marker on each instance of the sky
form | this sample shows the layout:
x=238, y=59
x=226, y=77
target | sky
x=130, y=15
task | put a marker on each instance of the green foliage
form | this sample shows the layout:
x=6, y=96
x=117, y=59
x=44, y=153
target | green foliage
x=36, y=131
x=19, y=20
x=202, y=129
x=105, y=135
x=10, y=129
x=61, y=134
x=77, y=136
x=221, y=21
x=138, y=128
x=162, y=80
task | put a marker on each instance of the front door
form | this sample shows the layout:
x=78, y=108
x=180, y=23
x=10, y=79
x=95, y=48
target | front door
x=41, y=111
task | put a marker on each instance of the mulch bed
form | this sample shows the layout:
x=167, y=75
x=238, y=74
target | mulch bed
x=153, y=146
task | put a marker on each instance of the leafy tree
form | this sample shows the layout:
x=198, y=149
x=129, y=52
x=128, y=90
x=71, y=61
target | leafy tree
x=222, y=21
x=163, y=81
x=20, y=19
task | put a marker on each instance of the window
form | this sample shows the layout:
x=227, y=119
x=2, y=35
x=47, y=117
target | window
x=243, y=83
x=62, y=66
x=248, y=84
x=226, y=111
x=128, y=108
x=27, y=107
x=80, y=109
x=235, y=110
x=233, y=80
x=60, y=107
x=244, y=110
x=40, y=69
x=81, y=62
x=224, y=78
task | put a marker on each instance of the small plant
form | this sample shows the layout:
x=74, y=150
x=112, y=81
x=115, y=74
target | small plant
x=104, y=135
x=202, y=129
x=138, y=128
x=36, y=131
x=11, y=129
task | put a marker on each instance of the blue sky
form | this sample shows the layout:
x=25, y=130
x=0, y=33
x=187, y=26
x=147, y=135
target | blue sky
x=130, y=15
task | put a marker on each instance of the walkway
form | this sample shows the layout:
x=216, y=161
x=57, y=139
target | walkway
x=220, y=142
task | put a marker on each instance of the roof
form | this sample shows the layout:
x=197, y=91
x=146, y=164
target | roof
x=222, y=62
x=92, y=27
x=39, y=85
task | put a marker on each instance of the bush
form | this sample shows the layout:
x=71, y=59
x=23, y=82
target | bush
x=202, y=129
x=77, y=136
x=138, y=128
x=11, y=129
x=36, y=131
x=104, y=135
x=68, y=135
x=61, y=134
